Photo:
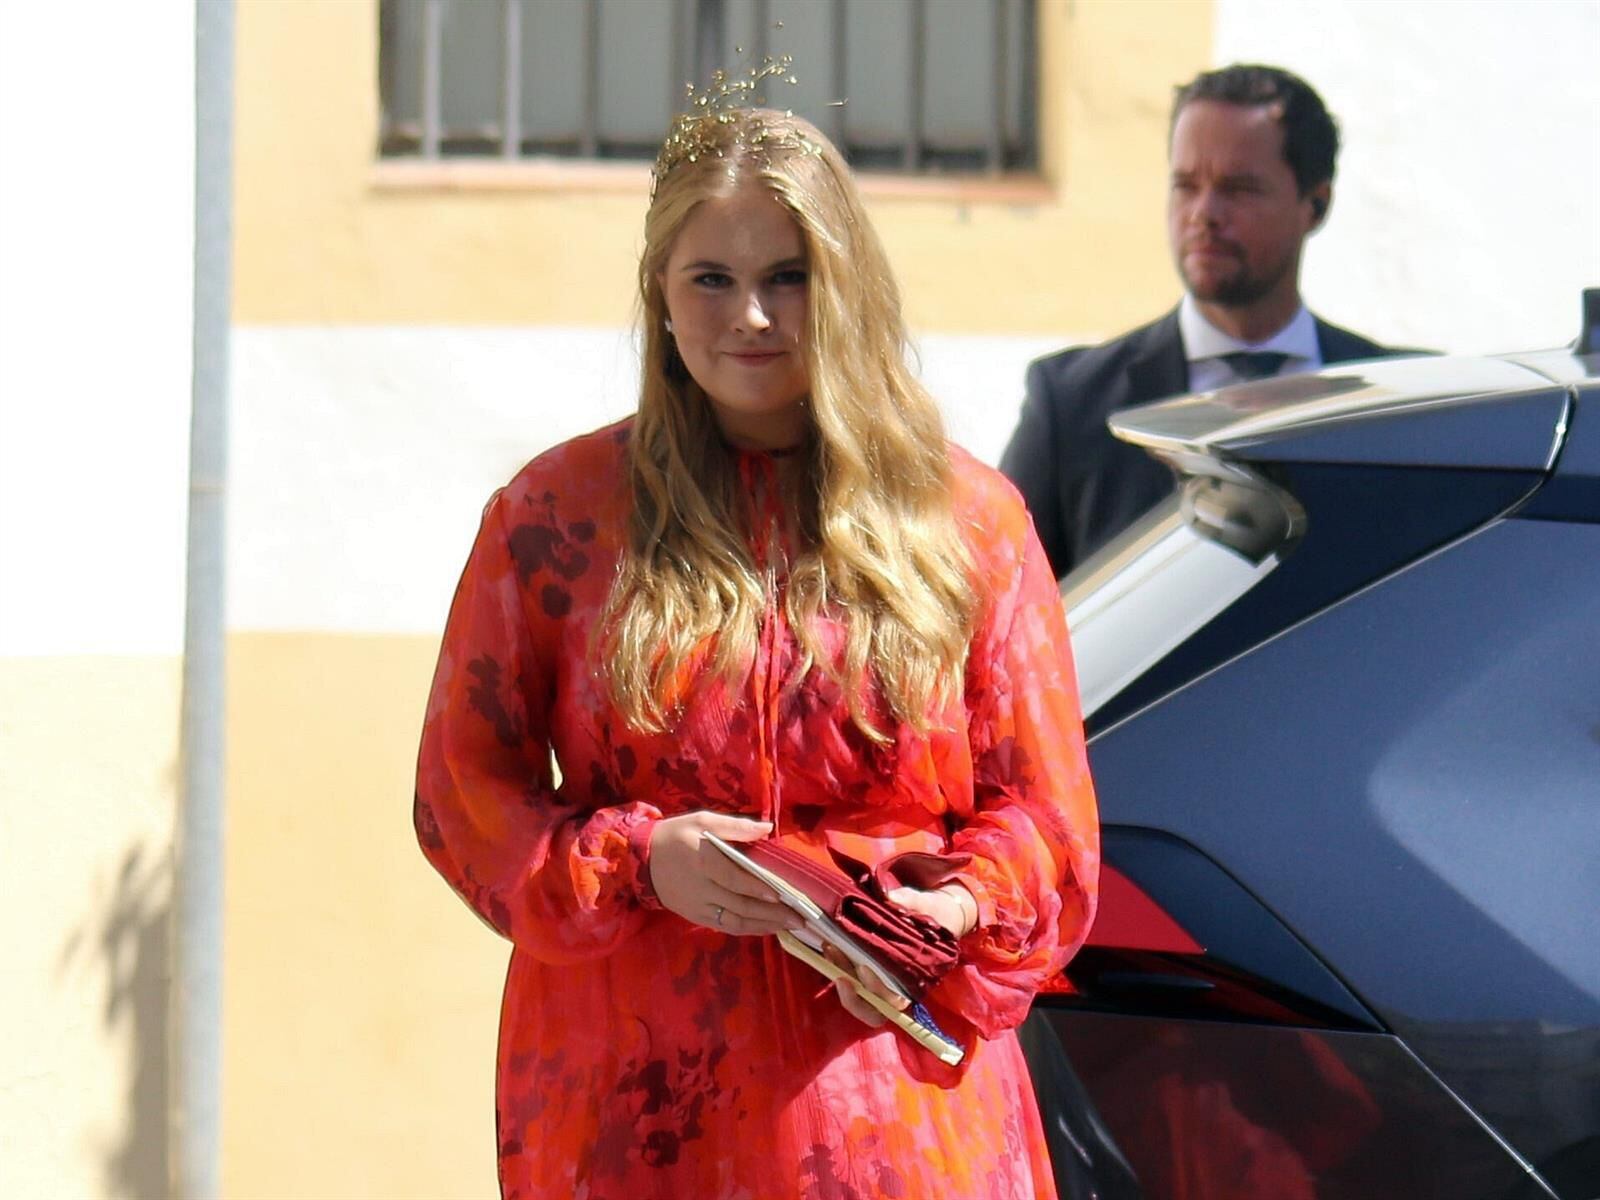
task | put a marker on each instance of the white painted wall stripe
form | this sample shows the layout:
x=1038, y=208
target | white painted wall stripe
x=361, y=457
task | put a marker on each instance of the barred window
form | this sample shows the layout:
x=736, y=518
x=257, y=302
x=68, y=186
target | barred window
x=933, y=86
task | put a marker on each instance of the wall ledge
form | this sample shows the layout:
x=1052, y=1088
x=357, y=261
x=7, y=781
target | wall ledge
x=396, y=175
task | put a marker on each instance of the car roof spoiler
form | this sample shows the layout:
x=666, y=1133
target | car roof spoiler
x=1429, y=410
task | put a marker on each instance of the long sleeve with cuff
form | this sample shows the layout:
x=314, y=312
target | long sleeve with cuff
x=1033, y=833
x=561, y=881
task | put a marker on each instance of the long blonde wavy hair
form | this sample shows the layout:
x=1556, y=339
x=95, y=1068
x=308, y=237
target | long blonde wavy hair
x=880, y=548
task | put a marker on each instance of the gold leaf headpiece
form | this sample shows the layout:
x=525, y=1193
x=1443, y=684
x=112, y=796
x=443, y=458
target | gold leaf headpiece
x=721, y=118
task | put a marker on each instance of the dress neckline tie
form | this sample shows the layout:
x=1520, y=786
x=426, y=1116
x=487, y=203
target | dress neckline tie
x=759, y=473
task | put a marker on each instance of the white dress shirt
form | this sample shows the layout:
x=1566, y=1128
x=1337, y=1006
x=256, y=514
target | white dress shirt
x=1204, y=344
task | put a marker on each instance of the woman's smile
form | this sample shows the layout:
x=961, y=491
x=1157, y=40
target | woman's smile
x=735, y=287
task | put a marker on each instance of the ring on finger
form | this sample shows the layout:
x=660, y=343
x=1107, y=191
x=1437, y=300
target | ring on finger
x=720, y=911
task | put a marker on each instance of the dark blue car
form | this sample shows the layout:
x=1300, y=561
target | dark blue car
x=1344, y=698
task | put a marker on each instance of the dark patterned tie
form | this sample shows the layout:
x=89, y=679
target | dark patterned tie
x=1254, y=364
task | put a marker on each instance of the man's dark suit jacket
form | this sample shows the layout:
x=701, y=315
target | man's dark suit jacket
x=1082, y=485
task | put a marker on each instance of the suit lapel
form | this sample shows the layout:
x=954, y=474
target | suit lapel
x=1340, y=345
x=1158, y=368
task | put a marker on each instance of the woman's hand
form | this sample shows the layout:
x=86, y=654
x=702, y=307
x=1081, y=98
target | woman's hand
x=951, y=906
x=694, y=879
x=866, y=981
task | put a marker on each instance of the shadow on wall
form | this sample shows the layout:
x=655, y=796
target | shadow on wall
x=124, y=940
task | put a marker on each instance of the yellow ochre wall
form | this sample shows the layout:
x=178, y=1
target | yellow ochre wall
x=361, y=996
x=322, y=240
x=359, y=1026
x=88, y=783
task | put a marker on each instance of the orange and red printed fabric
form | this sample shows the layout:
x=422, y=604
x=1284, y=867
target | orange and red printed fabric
x=642, y=1056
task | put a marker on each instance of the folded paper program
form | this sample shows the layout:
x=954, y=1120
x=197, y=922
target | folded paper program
x=846, y=906
x=915, y=1020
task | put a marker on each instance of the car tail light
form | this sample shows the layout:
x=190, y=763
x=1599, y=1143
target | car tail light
x=1176, y=936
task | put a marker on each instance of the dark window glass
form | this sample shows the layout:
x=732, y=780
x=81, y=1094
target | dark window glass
x=917, y=85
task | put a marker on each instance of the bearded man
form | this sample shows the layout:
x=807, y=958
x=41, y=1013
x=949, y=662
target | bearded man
x=1251, y=150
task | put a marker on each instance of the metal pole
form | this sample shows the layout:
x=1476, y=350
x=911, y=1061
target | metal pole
x=841, y=79
x=195, y=1045
x=710, y=21
x=678, y=78
x=911, y=158
x=1028, y=86
x=511, y=80
x=432, y=85
x=589, y=135
x=997, y=126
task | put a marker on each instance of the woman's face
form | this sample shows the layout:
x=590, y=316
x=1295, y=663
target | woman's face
x=735, y=289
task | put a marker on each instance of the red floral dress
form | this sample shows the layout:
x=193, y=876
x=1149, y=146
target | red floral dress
x=642, y=1056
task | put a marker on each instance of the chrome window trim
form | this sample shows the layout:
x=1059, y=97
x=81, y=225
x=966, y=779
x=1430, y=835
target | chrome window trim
x=1171, y=572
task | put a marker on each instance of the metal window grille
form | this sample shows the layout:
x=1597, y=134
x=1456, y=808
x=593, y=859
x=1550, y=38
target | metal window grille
x=927, y=85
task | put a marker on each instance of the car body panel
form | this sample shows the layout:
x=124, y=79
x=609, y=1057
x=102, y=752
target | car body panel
x=1559, y=366
x=1573, y=491
x=1364, y=782
x=1516, y=432
x=1411, y=782
x=1363, y=522
x=1239, y=956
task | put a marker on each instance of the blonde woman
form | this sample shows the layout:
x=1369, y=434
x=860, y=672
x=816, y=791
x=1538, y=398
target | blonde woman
x=774, y=603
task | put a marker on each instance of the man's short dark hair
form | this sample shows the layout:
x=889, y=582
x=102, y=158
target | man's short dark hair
x=1310, y=134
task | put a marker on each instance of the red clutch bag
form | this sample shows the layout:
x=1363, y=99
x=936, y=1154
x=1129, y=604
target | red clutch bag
x=915, y=949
